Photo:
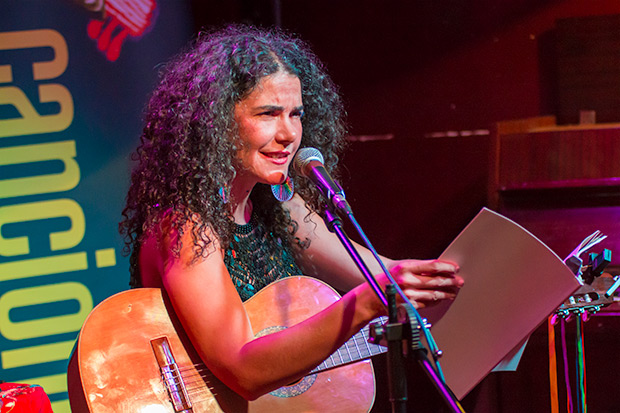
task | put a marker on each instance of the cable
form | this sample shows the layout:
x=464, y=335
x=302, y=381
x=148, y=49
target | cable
x=553, y=365
x=580, y=366
x=569, y=401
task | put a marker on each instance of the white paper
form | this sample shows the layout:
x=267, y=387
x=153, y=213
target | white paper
x=512, y=283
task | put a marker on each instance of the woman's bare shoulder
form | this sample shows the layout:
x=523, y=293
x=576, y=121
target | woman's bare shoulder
x=169, y=243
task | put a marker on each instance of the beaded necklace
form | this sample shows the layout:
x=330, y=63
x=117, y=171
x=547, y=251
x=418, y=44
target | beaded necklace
x=255, y=258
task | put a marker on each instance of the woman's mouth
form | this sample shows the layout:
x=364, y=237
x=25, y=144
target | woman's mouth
x=278, y=158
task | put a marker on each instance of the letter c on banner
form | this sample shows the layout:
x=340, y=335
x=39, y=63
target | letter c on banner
x=33, y=211
x=28, y=39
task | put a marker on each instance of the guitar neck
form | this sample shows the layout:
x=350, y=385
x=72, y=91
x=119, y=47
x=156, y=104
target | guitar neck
x=355, y=349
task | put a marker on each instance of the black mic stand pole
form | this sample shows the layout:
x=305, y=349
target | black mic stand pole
x=335, y=225
x=397, y=377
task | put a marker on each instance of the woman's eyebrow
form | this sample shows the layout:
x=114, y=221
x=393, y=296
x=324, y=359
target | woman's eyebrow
x=268, y=108
x=276, y=108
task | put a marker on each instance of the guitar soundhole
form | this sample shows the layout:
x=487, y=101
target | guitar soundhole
x=293, y=389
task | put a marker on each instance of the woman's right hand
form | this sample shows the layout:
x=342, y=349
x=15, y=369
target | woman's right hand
x=426, y=282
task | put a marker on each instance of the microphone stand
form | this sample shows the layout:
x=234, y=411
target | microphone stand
x=335, y=225
x=402, y=327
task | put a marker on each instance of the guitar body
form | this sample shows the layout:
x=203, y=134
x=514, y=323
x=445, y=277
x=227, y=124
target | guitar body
x=349, y=388
x=116, y=370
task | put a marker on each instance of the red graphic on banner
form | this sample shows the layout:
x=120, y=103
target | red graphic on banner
x=23, y=398
x=122, y=18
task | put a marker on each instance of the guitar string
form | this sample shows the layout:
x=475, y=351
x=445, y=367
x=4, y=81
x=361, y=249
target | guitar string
x=203, y=373
x=351, y=352
x=359, y=338
x=195, y=379
x=345, y=349
x=195, y=376
x=195, y=385
x=357, y=349
x=356, y=342
x=348, y=353
x=371, y=349
x=187, y=379
x=330, y=362
x=196, y=394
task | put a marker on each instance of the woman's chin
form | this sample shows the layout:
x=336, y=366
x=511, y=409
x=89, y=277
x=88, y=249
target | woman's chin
x=276, y=179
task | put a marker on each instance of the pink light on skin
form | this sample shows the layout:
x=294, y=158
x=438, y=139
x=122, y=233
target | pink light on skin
x=270, y=131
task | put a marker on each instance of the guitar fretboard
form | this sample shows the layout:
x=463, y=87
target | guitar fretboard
x=355, y=349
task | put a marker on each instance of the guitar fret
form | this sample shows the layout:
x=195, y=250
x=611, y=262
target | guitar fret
x=357, y=349
x=320, y=367
x=364, y=351
x=370, y=349
x=348, y=352
x=343, y=356
x=337, y=358
x=366, y=345
x=333, y=361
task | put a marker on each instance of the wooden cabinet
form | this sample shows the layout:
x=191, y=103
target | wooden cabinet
x=560, y=182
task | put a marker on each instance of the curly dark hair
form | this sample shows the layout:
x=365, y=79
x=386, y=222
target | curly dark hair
x=189, y=144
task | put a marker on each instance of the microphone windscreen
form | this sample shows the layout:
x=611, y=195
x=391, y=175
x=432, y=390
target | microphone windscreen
x=305, y=156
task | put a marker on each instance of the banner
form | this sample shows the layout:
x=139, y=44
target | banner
x=74, y=79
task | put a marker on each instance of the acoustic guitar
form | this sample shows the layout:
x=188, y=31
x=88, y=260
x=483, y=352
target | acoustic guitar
x=133, y=356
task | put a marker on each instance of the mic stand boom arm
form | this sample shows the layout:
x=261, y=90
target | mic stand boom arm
x=335, y=225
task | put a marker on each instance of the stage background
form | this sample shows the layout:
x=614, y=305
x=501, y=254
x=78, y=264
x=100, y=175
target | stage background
x=429, y=74
x=73, y=83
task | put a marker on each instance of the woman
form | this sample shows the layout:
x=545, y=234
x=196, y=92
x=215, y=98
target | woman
x=222, y=127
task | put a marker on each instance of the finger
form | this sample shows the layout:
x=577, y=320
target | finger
x=429, y=281
x=426, y=298
x=427, y=267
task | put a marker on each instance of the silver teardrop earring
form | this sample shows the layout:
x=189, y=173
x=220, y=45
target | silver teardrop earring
x=284, y=192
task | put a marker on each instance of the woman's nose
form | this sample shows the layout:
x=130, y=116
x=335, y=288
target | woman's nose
x=289, y=130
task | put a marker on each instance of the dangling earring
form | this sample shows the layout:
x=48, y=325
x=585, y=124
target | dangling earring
x=224, y=194
x=284, y=192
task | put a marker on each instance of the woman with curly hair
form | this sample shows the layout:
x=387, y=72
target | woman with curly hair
x=202, y=223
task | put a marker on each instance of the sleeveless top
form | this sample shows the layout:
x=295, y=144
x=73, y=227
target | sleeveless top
x=255, y=258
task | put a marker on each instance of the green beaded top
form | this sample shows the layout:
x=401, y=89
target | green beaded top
x=256, y=258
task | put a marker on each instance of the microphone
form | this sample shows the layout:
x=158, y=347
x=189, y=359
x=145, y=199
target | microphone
x=309, y=163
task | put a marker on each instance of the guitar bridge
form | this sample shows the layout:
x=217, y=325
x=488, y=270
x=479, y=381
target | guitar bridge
x=171, y=375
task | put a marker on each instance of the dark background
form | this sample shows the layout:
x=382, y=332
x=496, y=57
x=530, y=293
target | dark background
x=413, y=68
x=418, y=69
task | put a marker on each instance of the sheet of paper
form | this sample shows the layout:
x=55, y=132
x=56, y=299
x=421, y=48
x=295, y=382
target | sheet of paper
x=512, y=283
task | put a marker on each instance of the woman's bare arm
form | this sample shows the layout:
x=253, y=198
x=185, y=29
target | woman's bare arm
x=212, y=314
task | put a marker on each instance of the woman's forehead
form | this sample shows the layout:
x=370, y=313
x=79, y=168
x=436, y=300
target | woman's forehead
x=276, y=85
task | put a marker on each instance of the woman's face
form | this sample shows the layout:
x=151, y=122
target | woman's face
x=269, y=121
